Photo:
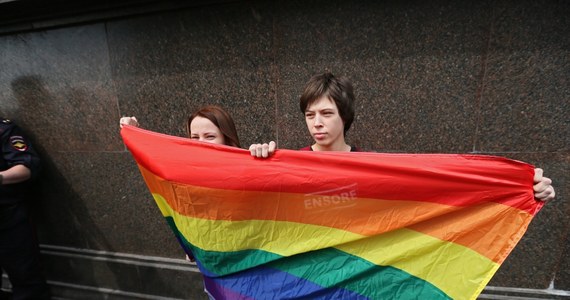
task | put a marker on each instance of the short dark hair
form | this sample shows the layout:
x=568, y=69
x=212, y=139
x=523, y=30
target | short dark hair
x=336, y=89
x=221, y=119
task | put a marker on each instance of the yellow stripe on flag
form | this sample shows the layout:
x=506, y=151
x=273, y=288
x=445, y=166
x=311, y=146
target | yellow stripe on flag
x=282, y=238
x=444, y=264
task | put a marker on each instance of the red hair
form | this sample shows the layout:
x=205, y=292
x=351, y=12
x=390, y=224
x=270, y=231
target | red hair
x=221, y=119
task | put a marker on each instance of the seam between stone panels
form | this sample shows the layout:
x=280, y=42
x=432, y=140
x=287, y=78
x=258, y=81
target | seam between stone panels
x=483, y=79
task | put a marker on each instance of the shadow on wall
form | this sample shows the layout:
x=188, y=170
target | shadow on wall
x=62, y=217
x=62, y=214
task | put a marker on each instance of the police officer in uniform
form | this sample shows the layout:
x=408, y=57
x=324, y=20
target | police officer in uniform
x=19, y=251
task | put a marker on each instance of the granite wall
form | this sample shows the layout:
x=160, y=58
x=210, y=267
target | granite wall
x=485, y=77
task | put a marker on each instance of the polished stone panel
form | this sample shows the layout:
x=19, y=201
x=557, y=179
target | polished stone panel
x=562, y=280
x=99, y=201
x=332, y=31
x=169, y=65
x=164, y=103
x=415, y=75
x=525, y=100
x=118, y=276
x=225, y=37
x=57, y=85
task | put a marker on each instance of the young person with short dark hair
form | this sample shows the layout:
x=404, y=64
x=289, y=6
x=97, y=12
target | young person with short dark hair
x=328, y=105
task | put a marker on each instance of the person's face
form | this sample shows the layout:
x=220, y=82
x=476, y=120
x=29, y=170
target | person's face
x=324, y=122
x=203, y=130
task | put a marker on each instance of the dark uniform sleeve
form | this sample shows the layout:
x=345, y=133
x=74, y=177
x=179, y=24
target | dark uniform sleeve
x=17, y=149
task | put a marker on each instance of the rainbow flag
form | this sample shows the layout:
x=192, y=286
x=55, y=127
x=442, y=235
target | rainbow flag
x=324, y=225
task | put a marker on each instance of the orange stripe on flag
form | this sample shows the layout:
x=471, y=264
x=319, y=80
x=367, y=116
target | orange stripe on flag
x=475, y=226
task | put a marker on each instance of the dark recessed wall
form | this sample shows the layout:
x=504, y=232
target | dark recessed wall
x=430, y=76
